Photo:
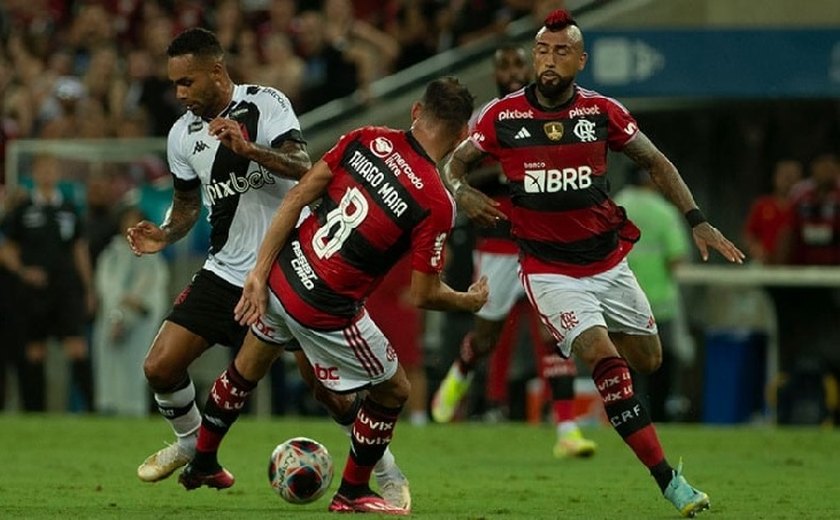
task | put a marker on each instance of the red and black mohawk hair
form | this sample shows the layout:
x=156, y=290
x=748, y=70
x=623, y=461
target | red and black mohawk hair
x=558, y=20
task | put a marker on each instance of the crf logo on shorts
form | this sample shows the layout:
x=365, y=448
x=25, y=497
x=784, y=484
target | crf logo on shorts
x=552, y=181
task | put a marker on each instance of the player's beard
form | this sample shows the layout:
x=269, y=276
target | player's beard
x=553, y=89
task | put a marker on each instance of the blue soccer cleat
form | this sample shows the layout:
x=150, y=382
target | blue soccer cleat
x=688, y=500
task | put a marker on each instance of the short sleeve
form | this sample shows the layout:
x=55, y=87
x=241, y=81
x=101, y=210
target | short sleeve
x=334, y=154
x=279, y=122
x=622, y=127
x=183, y=175
x=483, y=131
x=429, y=240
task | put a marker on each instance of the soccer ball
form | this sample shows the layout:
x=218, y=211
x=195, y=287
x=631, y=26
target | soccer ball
x=300, y=470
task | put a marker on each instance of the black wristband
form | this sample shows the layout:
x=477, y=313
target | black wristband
x=695, y=217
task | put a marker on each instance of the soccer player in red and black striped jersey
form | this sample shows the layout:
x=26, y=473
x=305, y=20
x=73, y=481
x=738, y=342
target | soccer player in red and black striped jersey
x=551, y=139
x=496, y=256
x=380, y=198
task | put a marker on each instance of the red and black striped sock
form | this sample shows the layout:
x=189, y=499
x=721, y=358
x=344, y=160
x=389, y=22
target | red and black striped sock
x=628, y=416
x=371, y=434
x=223, y=406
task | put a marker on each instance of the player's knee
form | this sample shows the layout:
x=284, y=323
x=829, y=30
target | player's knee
x=649, y=363
x=160, y=375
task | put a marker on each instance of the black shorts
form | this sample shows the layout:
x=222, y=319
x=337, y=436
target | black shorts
x=205, y=308
x=55, y=311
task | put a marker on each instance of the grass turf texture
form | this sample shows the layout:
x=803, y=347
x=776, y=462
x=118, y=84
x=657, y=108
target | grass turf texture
x=84, y=467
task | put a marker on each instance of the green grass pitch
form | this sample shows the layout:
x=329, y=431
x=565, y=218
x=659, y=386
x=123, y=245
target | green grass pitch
x=75, y=467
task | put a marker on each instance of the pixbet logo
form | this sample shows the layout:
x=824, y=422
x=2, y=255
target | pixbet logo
x=585, y=111
x=552, y=181
x=516, y=114
x=325, y=373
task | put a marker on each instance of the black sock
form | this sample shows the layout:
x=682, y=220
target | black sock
x=662, y=473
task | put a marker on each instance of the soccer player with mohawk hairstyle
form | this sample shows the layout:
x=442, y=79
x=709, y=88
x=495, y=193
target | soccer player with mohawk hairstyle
x=573, y=238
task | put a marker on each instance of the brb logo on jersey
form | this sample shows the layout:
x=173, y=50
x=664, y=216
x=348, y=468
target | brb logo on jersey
x=236, y=185
x=552, y=181
x=381, y=147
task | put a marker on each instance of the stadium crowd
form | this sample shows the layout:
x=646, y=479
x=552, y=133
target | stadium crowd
x=98, y=69
x=105, y=60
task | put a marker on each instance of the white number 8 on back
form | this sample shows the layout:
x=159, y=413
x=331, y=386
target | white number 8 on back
x=341, y=221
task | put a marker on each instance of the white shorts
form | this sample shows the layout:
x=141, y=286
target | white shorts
x=343, y=360
x=502, y=272
x=568, y=306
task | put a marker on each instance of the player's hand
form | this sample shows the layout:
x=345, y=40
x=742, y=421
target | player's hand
x=706, y=236
x=253, y=302
x=230, y=133
x=480, y=208
x=479, y=291
x=145, y=238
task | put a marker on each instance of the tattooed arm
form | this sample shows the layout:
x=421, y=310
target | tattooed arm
x=290, y=160
x=476, y=205
x=663, y=172
x=147, y=238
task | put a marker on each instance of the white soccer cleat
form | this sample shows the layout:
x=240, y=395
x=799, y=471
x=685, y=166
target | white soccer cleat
x=163, y=463
x=393, y=486
x=397, y=493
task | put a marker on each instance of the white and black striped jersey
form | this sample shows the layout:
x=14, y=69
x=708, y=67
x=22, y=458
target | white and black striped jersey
x=241, y=194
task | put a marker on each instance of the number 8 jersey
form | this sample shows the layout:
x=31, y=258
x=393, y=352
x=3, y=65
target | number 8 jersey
x=385, y=199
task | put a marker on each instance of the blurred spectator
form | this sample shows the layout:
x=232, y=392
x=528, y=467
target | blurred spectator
x=281, y=67
x=100, y=220
x=420, y=30
x=47, y=250
x=477, y=20
x=132, y=294
x=330, y=72
x=770, y=213
x=662, y=247
x=808, y=334
x=375, y=51
x=402, y=323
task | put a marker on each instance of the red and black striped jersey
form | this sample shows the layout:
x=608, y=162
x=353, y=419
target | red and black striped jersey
x=385, y=200
x=556, y=163
x=493, y=239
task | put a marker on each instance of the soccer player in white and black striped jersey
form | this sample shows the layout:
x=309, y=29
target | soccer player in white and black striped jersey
x=238, y=149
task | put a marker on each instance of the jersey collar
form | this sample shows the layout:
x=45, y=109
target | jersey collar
x=417, y=147
x=531, y=96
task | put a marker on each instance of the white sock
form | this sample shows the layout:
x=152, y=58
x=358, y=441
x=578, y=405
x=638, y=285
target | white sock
x=565, y=427
x=184, y=426
x=386, y=463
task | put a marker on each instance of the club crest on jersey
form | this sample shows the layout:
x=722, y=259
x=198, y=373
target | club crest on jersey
x=553, y=130
x=585, y=131
x=381, y=147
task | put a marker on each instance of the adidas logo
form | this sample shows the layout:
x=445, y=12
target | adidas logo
x=523, y=133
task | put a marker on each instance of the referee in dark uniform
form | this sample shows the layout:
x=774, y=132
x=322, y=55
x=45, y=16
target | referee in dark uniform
x=45, y=247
